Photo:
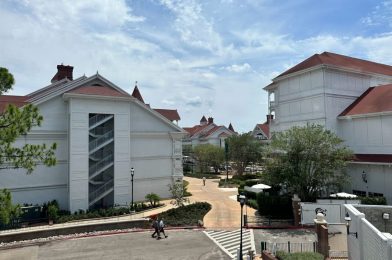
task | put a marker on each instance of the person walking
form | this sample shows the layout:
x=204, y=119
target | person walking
x=161, y=227
x=155, y=226
x=204, y=181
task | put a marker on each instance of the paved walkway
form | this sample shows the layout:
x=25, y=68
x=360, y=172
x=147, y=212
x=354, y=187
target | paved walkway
x=225, y=212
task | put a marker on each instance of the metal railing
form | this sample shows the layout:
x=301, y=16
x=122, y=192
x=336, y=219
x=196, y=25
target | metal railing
x=102, y=139
x=100, y=154
x=100, y=165
x=289, y=247
x=99, y=130
x=100, y=191
x=92, y=121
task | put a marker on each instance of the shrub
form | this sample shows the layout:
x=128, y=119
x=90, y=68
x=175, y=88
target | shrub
x=186, y=215
x=252, y=203
x=52, y=212
x=373, y=200
x=201, y=175
x=153, y=198
x=299, y=256
x=274, y=206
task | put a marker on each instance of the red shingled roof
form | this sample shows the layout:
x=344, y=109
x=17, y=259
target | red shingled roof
x=338, y=60
x=98, y=90
x=265, y=128
x=376, y=158
x=211, y=131
x=373, y=100
x=18, y=101
x=195, y=129
x=170, y=114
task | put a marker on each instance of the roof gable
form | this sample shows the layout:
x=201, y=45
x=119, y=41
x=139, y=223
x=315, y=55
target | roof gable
x=170, y=114
x=98, y=91
x=6, y=100
x=373, y=100
x=338, y=60
x=264, y=128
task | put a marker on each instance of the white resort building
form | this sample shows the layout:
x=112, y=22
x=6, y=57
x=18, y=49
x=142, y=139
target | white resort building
x=349, y=96
x=101, y=133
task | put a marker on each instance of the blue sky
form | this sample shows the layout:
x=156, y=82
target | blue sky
x=207, y=58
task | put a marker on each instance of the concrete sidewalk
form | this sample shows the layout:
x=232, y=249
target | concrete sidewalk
x=117, y=219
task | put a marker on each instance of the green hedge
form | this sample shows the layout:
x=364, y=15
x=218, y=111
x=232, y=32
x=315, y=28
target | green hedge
x=299, y=256
x=201, y=175
x=274, y=206
x=373, y=200
x=186, y=215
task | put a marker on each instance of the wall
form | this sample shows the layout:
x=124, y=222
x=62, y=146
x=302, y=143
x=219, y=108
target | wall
x=368, y=134
x=371, y=243
x=44, y=183
x=379, y=178
x=79, y=110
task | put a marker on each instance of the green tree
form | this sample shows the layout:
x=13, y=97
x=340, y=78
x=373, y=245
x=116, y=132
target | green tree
x=307, y=160
x=178, y=193
x=243, y=150
x=15, y=122
x=8, y=211
x=209, y=155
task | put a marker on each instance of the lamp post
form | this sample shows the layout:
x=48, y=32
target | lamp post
x=348, y=222
x=242, y=200
x=132, y=173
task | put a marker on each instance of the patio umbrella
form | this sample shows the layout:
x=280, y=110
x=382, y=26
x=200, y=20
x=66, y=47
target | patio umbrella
x=343, y=195
x=261, y=186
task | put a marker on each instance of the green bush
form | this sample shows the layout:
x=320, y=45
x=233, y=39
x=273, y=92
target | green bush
x=245, y=177
x=201, y=175
x=52, y=212
x=153, y=198
x=252, y=203
x=299, y=256
x=373, y=200
x=186, y=215
x=186, y=192
x=274, y=206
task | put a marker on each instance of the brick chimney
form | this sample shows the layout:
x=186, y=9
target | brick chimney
x=269, y=118
x=210, y=120
x=63, y=72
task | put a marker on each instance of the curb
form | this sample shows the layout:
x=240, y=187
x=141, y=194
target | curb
x=75, y=236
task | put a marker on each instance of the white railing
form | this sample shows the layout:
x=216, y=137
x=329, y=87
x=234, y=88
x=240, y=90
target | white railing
x=98, y=118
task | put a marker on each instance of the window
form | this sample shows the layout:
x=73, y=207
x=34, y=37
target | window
x=375, y=194
x=359, y=193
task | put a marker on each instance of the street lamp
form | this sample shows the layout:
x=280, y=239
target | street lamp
x=132, y=173
x=242, y=200
x=348, y=222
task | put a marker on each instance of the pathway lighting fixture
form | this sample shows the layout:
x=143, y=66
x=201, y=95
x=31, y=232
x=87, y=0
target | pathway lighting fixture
x=242, y=200
x=348, y=222
x=132, y=173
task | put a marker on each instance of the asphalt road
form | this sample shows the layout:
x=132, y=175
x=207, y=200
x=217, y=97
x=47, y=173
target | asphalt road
x=184, y=244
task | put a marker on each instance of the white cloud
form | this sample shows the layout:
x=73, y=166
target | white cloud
x=380, y=15
x=239, y=68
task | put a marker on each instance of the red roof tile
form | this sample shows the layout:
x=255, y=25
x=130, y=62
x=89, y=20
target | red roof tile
x=18, y=101
x=195, y=129
x=170, y=114
x=377, y=158
x=338, y=60
x=136, y=94
x=98, y=90
x=211, y=131
x=373, y=100
x=265, y=128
